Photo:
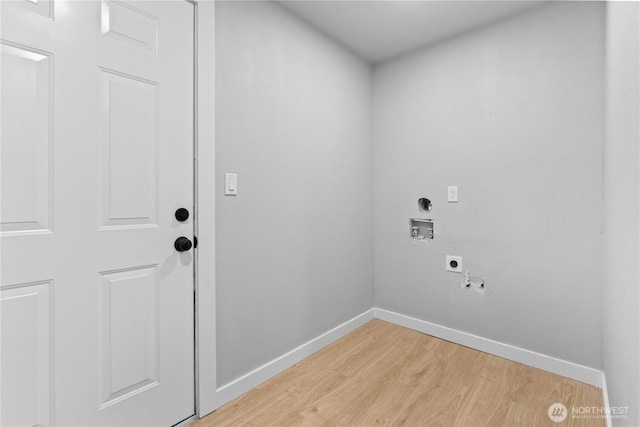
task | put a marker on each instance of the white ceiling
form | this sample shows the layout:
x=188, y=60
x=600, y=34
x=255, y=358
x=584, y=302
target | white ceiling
x=378, y=30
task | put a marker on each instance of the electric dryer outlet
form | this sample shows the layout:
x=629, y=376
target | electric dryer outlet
x=454, y=263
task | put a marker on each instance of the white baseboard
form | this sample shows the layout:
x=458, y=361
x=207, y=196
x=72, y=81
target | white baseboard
x=605, y=398
x=581, y=373
x=237, y=387
x=531, y=358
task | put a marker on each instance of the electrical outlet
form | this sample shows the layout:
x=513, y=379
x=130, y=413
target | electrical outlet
x=454, y=263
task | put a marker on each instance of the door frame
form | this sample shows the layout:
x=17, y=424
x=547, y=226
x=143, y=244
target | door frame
x=206, y=396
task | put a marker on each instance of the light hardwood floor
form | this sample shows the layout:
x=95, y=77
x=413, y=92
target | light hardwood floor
x=383, y=374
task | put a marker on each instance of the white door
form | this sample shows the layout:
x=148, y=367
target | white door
x=96, y=154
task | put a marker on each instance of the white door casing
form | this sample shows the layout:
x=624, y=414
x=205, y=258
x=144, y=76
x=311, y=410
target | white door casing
x=97, y=305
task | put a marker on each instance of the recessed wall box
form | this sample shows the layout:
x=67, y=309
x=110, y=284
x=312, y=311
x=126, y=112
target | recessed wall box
x=421, y=229
x=424, y=204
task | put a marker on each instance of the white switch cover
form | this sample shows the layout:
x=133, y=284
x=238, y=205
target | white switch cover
x=452, y=193
x=230, y=184
x=454, y=263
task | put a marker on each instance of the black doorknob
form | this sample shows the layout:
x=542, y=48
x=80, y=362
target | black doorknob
x=182, y=214
x=182, y=244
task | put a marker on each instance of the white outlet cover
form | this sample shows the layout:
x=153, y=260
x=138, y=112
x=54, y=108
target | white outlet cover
x=456, y=259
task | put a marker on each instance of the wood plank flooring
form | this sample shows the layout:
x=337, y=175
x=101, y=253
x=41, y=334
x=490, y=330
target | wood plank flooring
x=386, y=375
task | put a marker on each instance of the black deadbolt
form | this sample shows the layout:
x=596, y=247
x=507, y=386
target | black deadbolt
x=182, y=214
x=453, y=263
x=182, y=244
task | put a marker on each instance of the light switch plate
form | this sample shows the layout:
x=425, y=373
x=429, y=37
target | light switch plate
x=230, y=184
x=452, y=193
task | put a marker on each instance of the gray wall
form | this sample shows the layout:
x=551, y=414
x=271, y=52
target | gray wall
x=621, y=289
x=513, y=115
x=294, y=248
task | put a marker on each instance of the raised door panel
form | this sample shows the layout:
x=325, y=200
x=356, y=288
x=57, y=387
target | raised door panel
x=129, y=25
x=130, y=154
x=128, y=333
x=26, y=344
x=26, y=140
x=43, y=8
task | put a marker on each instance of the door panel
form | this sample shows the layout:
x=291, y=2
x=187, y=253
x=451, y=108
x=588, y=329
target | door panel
x=26, y=354
x=26, y=97
x=97, y=154
x=130, y=156
x=130, y=25
x=128, y=329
